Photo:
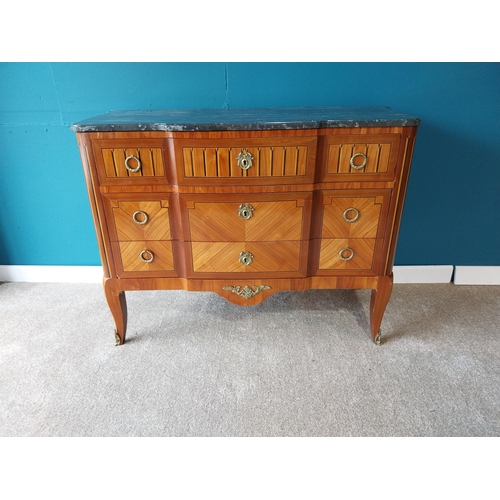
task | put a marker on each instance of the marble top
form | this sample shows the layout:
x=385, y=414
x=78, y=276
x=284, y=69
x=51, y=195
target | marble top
x=203, y=120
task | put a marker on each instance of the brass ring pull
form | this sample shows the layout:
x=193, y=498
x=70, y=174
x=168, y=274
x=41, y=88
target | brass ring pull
x=143, y=258
x=358, y=167
x=144, y=217
x=245, y=211
x=351, y=219
x=245, y=159
x=346, y=249
x=128, y=167
x=246, y=258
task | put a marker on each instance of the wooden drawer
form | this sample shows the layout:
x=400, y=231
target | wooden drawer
x=350, y=231
x=130, y=161
x=263, y=257
x=361, y=157
x=138, y=219
x=143, y=257
x=354, y=213
x=349, y=254
x=252, y=160
x=244, y=217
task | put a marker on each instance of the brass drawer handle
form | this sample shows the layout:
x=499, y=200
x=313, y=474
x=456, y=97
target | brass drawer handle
x=351, y=219
x=128, y=167
x=245, y=211
x=143, y=258
x=358, y=167
x=144, y=217
x=346, y=249
x=245, y=159
x=246, y=258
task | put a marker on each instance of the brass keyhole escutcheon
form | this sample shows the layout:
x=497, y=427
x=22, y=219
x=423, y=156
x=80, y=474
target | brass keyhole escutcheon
x=245, y=159
x=245, y=211
x=246, y=258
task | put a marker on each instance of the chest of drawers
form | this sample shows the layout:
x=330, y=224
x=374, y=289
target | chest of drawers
x=248, y=202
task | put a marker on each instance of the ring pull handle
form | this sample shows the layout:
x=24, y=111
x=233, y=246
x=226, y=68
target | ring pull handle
x=245, y=211
x=358, y=167
x=245, y=159
x=132, y=169
x=349, y=257
x=351, y=219
x=144, y=258
x=144, y=217
x=246, y=258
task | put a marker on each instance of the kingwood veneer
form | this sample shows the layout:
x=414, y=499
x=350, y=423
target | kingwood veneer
x=246, y=203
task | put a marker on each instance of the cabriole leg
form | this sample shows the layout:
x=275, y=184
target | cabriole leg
x=379, y=300
x=118, y=306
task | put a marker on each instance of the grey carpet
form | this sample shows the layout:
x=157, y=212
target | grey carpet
x=300, y=364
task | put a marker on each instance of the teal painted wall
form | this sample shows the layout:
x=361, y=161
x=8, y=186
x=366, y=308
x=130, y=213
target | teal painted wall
x=452, y=211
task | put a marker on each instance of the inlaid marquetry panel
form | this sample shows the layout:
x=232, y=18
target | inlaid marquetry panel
x=371, y=154
x=353, y=217
x=277, y=161
x=141, y=220
x=268, y=256
x=360, y=253
x=270, y=221
x=340, y=155
x=150, y=162
x=160, y=252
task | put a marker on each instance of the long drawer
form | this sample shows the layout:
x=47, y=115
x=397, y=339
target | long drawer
x=250, y=217
x=246, y=257
x=253, y=259
x=253, y=160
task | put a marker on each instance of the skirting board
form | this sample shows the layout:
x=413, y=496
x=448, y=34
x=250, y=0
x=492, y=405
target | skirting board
x=477, y=275
x=422, y=274
x=52, y=274
x=93, y=274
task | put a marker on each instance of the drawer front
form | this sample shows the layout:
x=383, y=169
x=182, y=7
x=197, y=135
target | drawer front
x=144, y=256
x=247, y=217
x=348, y=254
x=246, y=257
x=361, y=215
x=361, y=157
x=139, y=220
x=139, y=161
x=248, y=161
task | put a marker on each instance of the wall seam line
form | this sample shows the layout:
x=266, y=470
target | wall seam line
x=57, y=95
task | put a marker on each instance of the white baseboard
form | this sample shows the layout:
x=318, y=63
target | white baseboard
x=422, y=274
x=52, y=274
x=93, y=274
x=477, y=275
